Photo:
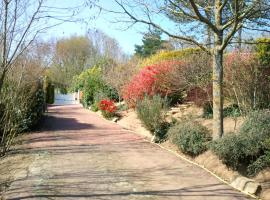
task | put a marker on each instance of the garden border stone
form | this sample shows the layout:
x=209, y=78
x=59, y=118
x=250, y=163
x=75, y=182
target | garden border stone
x=247, y=185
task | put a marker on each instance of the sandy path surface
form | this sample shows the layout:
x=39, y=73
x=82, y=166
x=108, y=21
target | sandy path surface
x=78, y=155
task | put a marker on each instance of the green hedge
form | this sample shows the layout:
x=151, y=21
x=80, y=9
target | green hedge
x=21, y=110
x=90, y=82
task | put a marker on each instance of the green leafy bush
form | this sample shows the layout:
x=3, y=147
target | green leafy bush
x=257, y=123
x=247, y=149
x=122, y=107
x=263, y=51
x=232, y=111
x=21, y=109
x=191, y=137
x=48, y=89
x=208, y=110
x=91, y=82
x=261, y=163
x=232, y=149
x=28, y=114
x=50, y=94
x=152, y=112
x=161, y=132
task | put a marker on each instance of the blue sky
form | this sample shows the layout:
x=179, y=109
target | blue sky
x=103, y=21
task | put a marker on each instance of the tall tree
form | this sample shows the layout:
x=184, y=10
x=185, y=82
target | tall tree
x=106, y=46
x=190, y=17
x=72, y=56
x=152, y=42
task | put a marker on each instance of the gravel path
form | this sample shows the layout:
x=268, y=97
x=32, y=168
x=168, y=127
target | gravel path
x=78, y=155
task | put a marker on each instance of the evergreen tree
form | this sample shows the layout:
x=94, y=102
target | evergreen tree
x=152, y=42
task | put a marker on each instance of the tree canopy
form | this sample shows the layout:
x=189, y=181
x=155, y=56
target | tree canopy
x=152, y=42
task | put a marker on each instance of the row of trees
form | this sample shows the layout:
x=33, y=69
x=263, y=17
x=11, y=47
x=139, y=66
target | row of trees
x=71, y=56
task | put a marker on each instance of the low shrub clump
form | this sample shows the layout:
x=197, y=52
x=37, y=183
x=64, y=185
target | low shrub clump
x=108, y=108
x=261, y=163
x=152, y=112
x=230, y=111
x=208, y=110
x=247, y=151
x=191, y=137
x=98, y=96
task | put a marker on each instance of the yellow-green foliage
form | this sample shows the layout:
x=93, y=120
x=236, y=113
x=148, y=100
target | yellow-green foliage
x=169, y=55
x=263, y=50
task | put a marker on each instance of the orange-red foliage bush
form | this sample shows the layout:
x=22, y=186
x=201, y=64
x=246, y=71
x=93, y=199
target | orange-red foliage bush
x=149, y=81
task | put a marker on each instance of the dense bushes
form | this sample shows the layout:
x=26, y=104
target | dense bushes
x=173, y=78
x=260, y=164
x=98, y=96
x=190, y=137
x=50, y=93
x=247, y=149
x=108, y=108
x=48, y=88
x=21, y=110
x=169, y=56
x=152, y=112
x=232, y=110
x=90, y=82
x=246, y=81
x=263, y=51
x=152, y=80
x=33, y=112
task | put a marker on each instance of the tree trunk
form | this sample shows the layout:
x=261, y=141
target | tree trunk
x=217, y=93
x=218, y=74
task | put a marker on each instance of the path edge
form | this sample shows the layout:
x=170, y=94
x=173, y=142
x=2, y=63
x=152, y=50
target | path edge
x=148, y=140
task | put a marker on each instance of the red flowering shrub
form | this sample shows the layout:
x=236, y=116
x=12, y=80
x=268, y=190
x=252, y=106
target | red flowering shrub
x=107, y=107
x=173, y=79
x=148, y=82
